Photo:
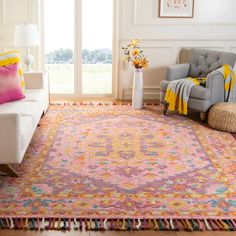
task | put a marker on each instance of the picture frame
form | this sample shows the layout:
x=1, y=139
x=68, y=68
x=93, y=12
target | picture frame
x=176, y=8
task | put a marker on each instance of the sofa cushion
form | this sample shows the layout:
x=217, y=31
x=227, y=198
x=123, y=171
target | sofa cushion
x=31, y=109
x=35, y=95
x=26, y=130
x=10, y=84
x=198, y=92
x=11, y=58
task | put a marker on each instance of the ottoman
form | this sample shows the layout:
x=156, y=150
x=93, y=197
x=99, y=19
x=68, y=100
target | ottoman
x=222, y=116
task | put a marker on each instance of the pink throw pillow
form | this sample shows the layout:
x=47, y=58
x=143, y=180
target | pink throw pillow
x=10, y=84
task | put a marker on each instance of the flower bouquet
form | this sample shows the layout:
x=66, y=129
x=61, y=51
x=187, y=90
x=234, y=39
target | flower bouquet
x=134, y=54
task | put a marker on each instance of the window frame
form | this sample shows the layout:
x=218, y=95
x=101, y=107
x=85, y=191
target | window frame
x=78, y=54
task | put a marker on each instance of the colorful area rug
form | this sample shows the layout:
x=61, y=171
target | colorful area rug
x=115, y=168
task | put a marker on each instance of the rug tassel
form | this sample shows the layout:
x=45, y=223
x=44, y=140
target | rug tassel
x=207, y=225
x=105, y=224
x=117, y=225
x=11, y=224
x=162, y=226
x=43, y=224
x=92, y=225
x=167, y=224
x=59, y=224
x=224, y=226
x=229, y=224
x=234, y=224
x=156, y=226
x=96, y=224
x=151, y=226
x=123, y=227
x=7, y=223
x=138, y=225
x=200, y=224
x=190, y=225
x=26, y=226
x=1, y=224
x=80, y=225
x=124, y=224
x=172, y=224
x=194, y=225
x=111, y=225
x=76, y=226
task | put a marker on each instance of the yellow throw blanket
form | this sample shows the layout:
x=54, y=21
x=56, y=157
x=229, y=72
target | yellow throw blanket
x=230, y=81
x=178, y=91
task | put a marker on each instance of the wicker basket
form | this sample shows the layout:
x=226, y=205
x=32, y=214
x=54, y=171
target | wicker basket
x=222, y=116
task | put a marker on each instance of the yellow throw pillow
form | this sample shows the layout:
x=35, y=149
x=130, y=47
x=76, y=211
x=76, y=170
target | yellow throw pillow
x=11, y=58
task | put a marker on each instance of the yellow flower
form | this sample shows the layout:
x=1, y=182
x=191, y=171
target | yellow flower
x=137, y=63
x=145, y=63
x=135, y=52
x=135, y=42
x=134, y=55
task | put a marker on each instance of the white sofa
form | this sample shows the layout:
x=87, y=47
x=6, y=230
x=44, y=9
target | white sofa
x=19, y=120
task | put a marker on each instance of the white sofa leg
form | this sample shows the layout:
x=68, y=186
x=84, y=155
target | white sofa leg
x=7, y=169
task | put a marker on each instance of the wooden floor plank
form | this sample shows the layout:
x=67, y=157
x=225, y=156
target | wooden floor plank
x=110, y=233
x=135, y=233
x=42, y=233
x=212, y=233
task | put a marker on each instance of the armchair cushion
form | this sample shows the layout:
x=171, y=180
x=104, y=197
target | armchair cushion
x=179, y=71
x=203, y=62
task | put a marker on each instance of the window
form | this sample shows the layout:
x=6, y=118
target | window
x=91, y=68
x=59, y=45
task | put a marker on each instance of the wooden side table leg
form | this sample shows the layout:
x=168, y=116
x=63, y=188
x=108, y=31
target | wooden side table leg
x=7, y=169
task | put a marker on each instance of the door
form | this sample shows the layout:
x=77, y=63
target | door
x=78, y=46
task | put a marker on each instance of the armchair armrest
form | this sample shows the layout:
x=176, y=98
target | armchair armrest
x=10, y=138
x=36, y=80
x=215, y=83
x=175, y=72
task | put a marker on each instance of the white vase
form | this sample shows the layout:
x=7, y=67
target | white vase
x=137, y=95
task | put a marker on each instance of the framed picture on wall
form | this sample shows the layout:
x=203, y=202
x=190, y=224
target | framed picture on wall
x=176, y=8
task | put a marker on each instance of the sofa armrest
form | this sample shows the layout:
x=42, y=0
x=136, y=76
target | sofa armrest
x=179, y=71
x=215, y=82
x=10, y=138
x=36, y=80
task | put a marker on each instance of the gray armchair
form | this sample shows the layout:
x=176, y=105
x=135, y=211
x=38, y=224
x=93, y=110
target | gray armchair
x=199, y=63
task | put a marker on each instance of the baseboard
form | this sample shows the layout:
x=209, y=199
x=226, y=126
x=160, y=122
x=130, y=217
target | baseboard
x=148, y=93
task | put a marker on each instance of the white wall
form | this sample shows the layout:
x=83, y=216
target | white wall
x=13, y=12
x=213, y=27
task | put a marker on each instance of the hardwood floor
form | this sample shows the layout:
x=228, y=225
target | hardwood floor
x=111, y=233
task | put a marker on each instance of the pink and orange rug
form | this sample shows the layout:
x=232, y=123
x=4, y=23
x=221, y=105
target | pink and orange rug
x=112, y=167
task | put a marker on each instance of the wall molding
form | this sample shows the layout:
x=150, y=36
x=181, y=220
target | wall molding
x=149, y=93
x=156, y=21
x=168, y=40
x=169, y=55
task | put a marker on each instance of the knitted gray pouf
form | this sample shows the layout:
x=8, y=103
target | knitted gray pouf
x=222, y=116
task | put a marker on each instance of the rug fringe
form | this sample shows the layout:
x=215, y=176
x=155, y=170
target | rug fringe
x=99, y=104
x=66, y=224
